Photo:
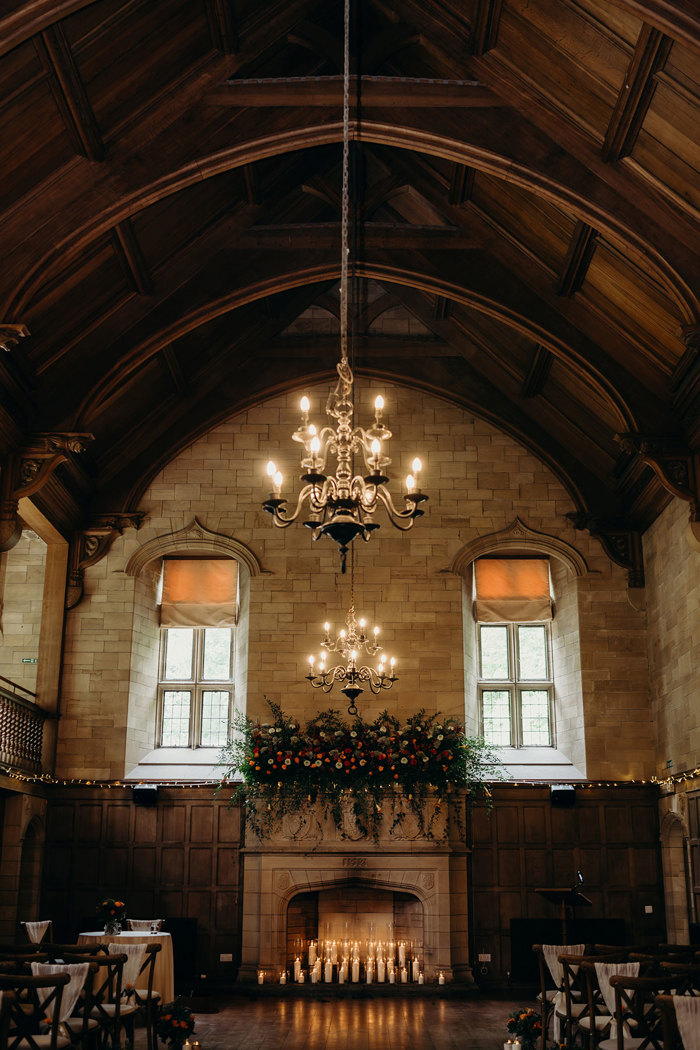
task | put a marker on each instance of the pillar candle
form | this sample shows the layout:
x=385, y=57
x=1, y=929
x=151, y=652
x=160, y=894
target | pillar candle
x=402, y=954
x=283, y=977
x=341, y=975
x=261, y=976
x=416, y=970
x=328, y=974
x=441, y=980
x=301, y=977
x=334, y=953
x=370, y=971
x=508, y=1045
x=392, y=976
x=355, y=970
x=404, y=975
x=421, y=978
x=312, y=953
x=297, y=968
x=314, y=976
x=381, y=970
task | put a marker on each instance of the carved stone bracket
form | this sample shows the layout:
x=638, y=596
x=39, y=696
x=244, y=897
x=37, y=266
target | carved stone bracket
x=622, y=545
x=10, y=335
x=91, y=544
x=678, y=470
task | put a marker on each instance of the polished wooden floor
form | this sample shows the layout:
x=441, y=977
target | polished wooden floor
x=355, y=1024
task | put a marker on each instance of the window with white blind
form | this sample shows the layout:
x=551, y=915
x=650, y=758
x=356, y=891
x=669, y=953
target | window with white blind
x=513, y=610
x=195, y=687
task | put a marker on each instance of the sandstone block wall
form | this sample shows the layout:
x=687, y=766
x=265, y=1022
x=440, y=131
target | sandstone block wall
x=478, y=480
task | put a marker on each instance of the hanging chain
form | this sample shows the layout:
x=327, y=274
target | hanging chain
x=345, y=198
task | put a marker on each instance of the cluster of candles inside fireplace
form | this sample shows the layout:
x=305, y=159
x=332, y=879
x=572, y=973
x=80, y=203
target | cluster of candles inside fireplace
x=343, y=962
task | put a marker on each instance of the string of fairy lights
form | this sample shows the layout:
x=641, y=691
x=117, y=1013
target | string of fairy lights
x=12, y=773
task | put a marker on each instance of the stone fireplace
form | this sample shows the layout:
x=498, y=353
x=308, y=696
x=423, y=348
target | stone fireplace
x=417, y=883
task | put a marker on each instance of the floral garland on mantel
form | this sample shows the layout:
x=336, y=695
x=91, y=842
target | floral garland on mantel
x=287, y=768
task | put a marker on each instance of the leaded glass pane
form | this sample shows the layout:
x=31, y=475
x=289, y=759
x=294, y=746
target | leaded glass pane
x=216, y=665
x=494, y=653
x=532, y=653
x=215, y=704
x=176, y=718
x=179, y=649
x=534, y=706
x=496, y=709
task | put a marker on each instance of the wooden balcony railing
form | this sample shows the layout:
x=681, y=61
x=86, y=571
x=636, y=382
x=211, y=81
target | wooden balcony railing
x=21, y=728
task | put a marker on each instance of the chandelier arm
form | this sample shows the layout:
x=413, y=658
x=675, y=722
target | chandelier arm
x=277, y=508
x=395, y=515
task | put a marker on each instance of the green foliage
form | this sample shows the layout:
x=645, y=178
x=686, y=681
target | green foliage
x=288, y=769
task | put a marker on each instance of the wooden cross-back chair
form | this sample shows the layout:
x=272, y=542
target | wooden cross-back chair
x=576, y=994
x=638, y=1020
x=687, y=976
x=104, y=1004
x=669, y=1025
x=34, y=1021
x=46, y=936
x=7, y=1000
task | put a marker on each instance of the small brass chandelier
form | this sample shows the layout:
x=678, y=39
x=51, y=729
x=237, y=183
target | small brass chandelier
x=343, y=505
x=353, y=645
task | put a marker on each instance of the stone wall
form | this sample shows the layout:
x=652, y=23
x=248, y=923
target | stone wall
x=22, y=589
x=478, y=480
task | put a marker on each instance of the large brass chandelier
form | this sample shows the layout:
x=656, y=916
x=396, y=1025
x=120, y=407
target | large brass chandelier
x=343, y=505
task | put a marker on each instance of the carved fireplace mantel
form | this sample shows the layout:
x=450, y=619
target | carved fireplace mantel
x=308, y=853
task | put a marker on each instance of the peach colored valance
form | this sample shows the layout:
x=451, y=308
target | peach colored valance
x=199, y=592
x=515, y=589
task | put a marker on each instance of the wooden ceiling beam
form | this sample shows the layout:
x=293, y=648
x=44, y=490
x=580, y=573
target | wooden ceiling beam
x=69, y=92
x=403, y=92
x=321, y=43
x=128, y=251
x=174, y=370
x=484, y=34
x=538, y=372
x=461, y=184
x=373, y=235
x=223, y=27
x=636, y=93
x=377, y=347
x=679, y=19
x=578, y=259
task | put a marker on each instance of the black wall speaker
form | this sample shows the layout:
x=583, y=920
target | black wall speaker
x=145, y=794
x=563, y=794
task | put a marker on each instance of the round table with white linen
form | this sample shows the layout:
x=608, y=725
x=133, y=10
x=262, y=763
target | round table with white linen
x=163, y=975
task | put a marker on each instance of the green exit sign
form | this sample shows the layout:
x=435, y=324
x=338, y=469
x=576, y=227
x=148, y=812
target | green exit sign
x=30, y=659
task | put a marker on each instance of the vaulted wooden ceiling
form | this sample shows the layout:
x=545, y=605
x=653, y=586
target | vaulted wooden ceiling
x=527, y=207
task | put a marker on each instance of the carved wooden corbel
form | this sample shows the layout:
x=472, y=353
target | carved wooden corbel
x=10, y=335
x=41, y=457
x=622, y=545
x=10, y=528
x=89, y=545
x=677, y=469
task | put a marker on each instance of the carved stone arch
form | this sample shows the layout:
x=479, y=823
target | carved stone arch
x=518, y=536
x=674, y=860
x=196, y=538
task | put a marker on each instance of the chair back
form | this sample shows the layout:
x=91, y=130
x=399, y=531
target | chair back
x=37, y=932
x=687, y=976
x=636, y=1010
x=144, y=925
x=62, y=951
x=36, y=1004
x=7, y=999
x=669, y=1025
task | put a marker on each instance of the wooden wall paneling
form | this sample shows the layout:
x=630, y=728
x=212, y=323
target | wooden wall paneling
x=118, y=823
x=114, y=869
x=87, y=869
x=89, y=825
x=145, y=823
x=143, y=867
x=200, y=866
x=172, y=866
x=201, y=824
x=174, y=823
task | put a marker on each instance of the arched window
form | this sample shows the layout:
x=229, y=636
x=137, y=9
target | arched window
x=189, y=650
x=523, y=688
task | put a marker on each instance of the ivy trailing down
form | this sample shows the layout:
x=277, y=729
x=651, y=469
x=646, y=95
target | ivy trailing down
x=378, y=769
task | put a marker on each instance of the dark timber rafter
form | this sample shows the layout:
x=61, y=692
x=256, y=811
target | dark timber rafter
x=69, y=92
x=636, y=93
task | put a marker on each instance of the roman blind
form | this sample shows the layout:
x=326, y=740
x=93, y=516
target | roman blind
x=515, y=589
x=199, y=592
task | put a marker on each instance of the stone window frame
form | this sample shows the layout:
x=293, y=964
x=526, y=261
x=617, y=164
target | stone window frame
x=196, y=539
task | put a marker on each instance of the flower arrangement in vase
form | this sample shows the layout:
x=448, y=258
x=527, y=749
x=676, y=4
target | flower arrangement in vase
x=176, y=1023
x=527, y=1026
x=112, y=912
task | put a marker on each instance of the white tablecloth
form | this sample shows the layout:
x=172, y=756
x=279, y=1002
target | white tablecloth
x=163, y=977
